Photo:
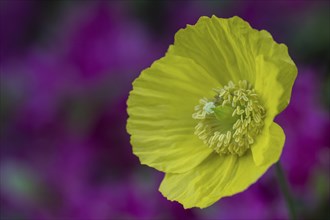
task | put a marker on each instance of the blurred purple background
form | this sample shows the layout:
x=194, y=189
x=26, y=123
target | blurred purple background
x=66, y=70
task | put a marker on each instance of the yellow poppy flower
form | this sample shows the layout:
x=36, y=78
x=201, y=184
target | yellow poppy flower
x=203, y=113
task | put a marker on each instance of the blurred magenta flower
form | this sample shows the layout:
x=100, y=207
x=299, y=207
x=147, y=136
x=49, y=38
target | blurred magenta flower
x=100, y=38
x=15, y=20
x=95, y=48
x=307, y=125
x=64, y=150
x=67, y=118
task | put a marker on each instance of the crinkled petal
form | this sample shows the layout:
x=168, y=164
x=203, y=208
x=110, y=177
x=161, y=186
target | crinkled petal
x=275, y=78
x=217, y=177
x=268, y=148
x=270, y=92
x=221, y=176
x=219, y=46
x=160, y=109
x=229, y=49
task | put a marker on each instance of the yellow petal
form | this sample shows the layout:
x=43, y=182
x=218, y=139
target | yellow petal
x=229, y=49
x=219, y=46
x=271, y=93
x=274, y=63
x=217, y=177
x=160, y=109
x=268, y=148
x=267, y=86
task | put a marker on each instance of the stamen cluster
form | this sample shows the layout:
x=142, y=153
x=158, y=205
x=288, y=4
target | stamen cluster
x=230, y=122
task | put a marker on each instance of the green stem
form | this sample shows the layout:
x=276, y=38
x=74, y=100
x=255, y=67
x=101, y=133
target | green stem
x=285, y=190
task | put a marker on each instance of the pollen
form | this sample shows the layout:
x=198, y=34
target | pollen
x=230, y=122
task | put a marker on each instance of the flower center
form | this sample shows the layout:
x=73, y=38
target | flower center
x=230, y=122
